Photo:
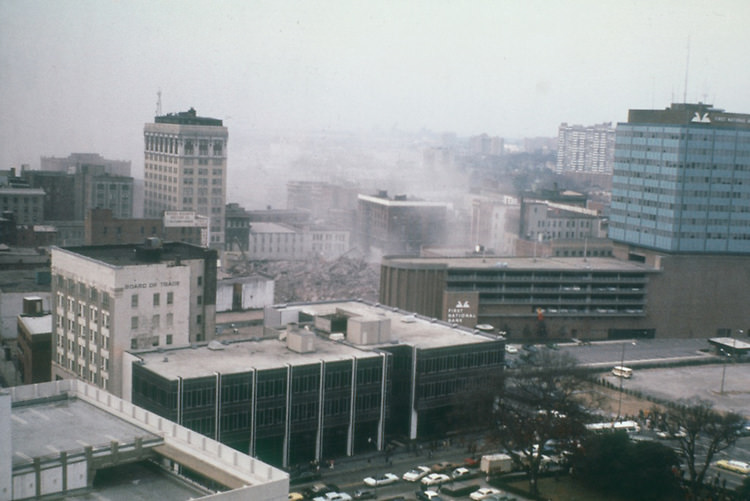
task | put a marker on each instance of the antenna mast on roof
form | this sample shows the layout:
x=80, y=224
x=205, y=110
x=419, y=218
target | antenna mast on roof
x=158, y=103
x=687, y=67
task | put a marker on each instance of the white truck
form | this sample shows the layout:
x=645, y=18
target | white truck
x=493, y=464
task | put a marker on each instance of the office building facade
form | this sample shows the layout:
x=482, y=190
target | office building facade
x=109, y=299
x=185, y=169
x=326, y=380
x=682, y=181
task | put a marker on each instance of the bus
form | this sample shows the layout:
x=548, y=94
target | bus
x=621, y=371
x=628, y=426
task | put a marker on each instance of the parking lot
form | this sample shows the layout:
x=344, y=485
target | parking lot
x=697, y=381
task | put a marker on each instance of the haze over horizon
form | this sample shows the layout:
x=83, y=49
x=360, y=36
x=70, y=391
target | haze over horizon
x=83, y=76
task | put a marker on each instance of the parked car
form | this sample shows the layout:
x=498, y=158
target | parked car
x=482, y=493
x=734, y=465
x=316, y=490
x=463, y=473
x=416, y=474
x=384, y=479
x=435, y=479
x=511, y=349
x=443, y=466
x=295, y=496
x=364, y=494
x=428, y=496
x=334, y=496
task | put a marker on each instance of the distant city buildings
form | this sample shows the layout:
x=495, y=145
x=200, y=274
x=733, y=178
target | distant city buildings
x=272, y=241
x=237, y=231
x=185, y=169
x=585, y=149
x=101, y=228
x=109, y=299
x=79, y=162
x=24, y=205
x=399, y=225
x=326, y=202
x=486, y=145
x=81, y=182
x=494, y=222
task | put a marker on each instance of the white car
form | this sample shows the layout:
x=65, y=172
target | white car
x=416, y=474
x=460, y=473
x=334, y=496
x=510, y=348
x=436, y=479
x=384, y=479
x=484, y=492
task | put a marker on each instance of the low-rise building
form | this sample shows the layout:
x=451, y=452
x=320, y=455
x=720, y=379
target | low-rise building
x=68, y=438
x=324, y=380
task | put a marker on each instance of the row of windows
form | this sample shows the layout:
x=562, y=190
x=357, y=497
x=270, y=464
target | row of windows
x=156, y=299
x=155, y=322
x=460, y=361
x=83, y=291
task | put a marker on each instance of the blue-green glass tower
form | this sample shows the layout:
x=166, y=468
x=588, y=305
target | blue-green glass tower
x=681, y=181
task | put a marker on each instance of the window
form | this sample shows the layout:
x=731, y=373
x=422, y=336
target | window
x=199, y=319
x=199, y=299
x=170, y=319
x=133, y=322
x=169, y=338
x=156, y=299
x=170, y=297
x=134, y=301
x=133, y=344
x=200, y=281
x=155, y=321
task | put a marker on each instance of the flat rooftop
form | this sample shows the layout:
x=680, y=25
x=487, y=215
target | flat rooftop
x=522, y=263
x=41, y=324
x=406, y=328
x=57, y=421
x=130, y=254
x=241, y=356
x=269, y=353
x=37, y=428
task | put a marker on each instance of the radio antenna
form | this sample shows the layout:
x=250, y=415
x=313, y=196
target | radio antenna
x=687, y=68
x=158, y=103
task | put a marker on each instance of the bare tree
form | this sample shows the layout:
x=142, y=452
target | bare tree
x=701, y=432
x=540, y=403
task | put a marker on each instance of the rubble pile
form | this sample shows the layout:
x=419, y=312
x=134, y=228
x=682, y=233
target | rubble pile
x=318, y=280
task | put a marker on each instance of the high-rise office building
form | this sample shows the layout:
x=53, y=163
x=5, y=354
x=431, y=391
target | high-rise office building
x=185, y=168
x=681, y=181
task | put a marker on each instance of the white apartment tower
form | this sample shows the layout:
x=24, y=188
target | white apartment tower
x=586, y=149
x=110, y=299
x=185, y=169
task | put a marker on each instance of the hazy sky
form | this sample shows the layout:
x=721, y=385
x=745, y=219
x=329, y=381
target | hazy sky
x=83, y=75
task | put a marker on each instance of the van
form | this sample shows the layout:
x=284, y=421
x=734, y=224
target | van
x=623, y=372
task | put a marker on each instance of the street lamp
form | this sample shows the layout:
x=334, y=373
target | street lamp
x=622, y=363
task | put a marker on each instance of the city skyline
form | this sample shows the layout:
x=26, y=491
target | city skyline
x=84, y=75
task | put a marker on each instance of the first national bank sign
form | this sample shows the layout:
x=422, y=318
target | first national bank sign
x=461, y=308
